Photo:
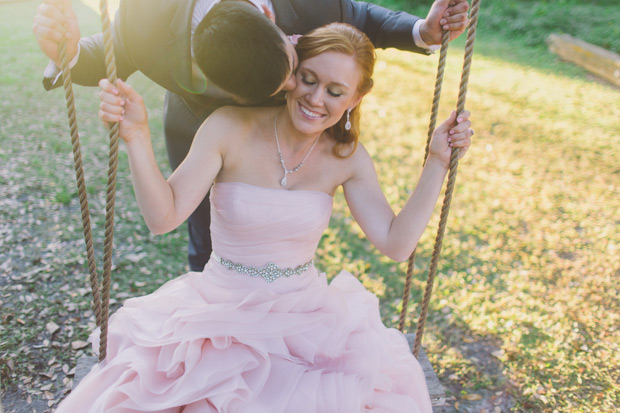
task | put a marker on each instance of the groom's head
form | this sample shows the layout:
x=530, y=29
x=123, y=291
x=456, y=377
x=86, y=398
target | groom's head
x=243, y=52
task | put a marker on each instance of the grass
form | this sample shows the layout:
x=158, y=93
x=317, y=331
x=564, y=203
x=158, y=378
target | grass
x=526, y=305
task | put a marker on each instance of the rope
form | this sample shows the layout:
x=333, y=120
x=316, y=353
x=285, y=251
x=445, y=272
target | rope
x=111, y=189
x=79, y=177
x=445, y=209
x=431, y=128
x=101, y=296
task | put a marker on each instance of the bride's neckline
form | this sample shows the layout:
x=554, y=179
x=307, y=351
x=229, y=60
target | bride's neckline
x=274, y=189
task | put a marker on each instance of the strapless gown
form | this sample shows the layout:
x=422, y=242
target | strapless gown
x=224, y=341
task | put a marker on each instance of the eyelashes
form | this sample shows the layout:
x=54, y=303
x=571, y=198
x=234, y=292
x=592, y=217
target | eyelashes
x=311, y=82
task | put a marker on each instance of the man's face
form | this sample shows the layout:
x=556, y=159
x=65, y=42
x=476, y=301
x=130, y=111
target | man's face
x=290, y=82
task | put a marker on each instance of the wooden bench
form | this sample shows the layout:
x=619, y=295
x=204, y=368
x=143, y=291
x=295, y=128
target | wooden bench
x=597, y=60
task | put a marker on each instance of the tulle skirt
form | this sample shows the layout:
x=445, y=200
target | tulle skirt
x=219, y=341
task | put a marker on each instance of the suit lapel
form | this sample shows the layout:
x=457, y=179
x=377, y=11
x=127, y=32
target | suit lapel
x=179, y=47
x=286, y=16
x=301, y=16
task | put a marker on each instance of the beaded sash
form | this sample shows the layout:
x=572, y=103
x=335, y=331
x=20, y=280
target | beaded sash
x=270, y=272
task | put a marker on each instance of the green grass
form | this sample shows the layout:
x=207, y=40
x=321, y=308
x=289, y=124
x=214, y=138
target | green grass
x=529, y=22
x=526, y=302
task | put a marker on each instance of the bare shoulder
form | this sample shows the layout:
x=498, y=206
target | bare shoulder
x=226, y=125
x=361, y=158
x=350, y=166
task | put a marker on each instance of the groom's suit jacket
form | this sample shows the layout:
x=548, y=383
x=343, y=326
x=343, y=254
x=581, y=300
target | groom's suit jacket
x=153, y=37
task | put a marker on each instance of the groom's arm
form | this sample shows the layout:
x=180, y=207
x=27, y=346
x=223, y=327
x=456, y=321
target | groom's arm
x=385, y=28
x=388, y=28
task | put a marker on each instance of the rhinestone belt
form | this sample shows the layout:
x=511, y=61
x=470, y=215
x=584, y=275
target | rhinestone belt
x=270, y=272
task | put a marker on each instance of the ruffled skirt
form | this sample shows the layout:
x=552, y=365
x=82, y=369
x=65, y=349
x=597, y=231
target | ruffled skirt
x=219, y=341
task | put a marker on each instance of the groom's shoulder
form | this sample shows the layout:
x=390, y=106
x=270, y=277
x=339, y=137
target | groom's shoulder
x=149, y=9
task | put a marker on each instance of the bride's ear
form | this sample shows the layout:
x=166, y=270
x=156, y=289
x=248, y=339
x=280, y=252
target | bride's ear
x=356, y=101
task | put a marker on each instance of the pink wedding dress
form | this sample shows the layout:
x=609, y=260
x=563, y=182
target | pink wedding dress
x=242, y=336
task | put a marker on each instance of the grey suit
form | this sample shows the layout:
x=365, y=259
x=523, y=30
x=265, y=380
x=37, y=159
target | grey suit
x=153, y=36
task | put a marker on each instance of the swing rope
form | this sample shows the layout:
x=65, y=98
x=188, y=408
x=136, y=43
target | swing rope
x=445, y=209
x=101, y=295
x=431, y=128
x=79, y=177
x=111, y=189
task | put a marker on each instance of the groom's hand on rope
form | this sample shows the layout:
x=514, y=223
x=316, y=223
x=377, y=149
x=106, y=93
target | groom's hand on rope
x=453, y=133
x=121, y=103
x=444, y=15
x=54, y=22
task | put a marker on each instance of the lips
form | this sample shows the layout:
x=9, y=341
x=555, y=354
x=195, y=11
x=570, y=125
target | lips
x=309, y=113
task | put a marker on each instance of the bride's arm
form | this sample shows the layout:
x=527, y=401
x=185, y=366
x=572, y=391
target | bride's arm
x=397, y=235
x=163, y=204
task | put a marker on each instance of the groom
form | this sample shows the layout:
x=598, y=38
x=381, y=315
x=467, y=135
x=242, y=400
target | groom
x=176, y=42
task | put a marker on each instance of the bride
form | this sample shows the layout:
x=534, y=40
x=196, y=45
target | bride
x=259, y=329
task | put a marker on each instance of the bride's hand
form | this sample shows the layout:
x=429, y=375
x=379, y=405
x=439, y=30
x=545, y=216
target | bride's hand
x=453, y=133
x=121, y=103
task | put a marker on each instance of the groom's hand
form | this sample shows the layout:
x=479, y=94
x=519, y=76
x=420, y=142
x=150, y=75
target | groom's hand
x=54, y=22
x=444, y=15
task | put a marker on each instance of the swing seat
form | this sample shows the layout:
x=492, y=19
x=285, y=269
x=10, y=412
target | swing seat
x=435, y=389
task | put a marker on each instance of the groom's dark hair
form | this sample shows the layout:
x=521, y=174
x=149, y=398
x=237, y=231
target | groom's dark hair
x=240, y=50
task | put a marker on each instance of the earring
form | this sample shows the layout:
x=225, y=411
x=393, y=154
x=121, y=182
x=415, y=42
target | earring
x=347, y=125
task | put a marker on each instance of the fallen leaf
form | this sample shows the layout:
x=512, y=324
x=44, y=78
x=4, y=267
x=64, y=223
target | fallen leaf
x=52, y=327
x=472, y=397
x=498, y=353
x=79, y=344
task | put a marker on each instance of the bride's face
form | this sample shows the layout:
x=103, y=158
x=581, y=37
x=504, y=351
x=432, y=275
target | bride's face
x=326, y=88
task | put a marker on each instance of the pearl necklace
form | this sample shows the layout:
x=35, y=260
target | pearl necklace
x=295, y=169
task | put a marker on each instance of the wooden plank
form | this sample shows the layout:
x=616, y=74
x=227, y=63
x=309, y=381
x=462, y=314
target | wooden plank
x=84, y=364
x=435, y=389
x=597, y=60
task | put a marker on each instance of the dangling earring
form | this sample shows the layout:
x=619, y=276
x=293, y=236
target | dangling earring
x=347, y=125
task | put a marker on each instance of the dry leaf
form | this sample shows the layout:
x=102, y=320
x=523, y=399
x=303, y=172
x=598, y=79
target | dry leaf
x=52, y=327
x=79, y=344
x=472, y=397
x=498, y=353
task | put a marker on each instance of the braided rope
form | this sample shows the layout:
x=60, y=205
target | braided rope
x=445, y=209
x=111, y=189
x=79, y=177
x=443, y=53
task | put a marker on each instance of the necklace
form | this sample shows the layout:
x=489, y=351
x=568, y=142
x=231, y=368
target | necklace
x=295, y=169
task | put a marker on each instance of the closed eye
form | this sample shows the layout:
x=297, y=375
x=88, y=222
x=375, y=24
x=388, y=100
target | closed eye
x=307, y=82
